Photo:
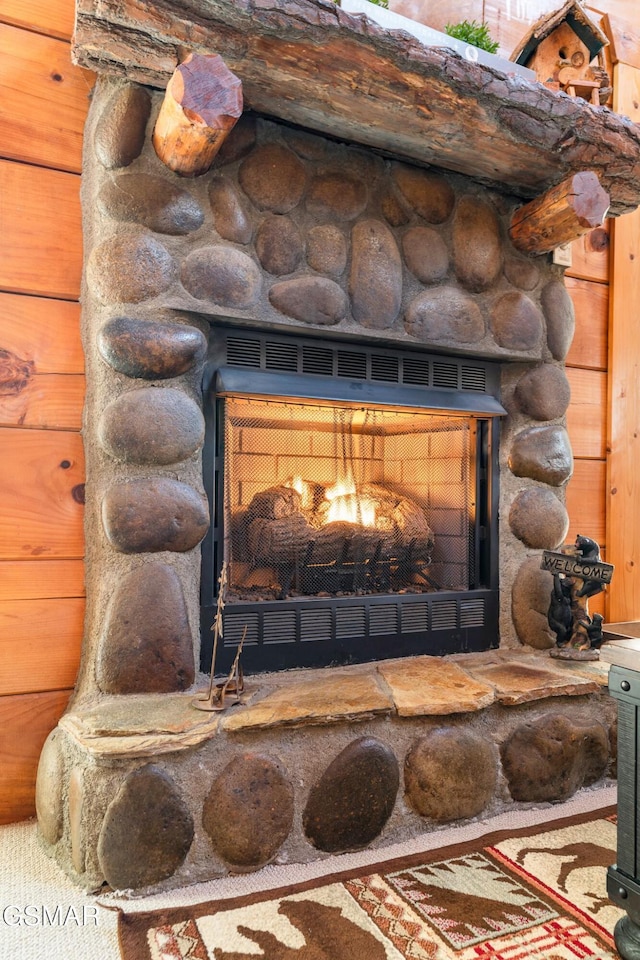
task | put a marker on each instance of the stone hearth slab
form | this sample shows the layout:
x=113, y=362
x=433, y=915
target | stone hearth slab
x=520, y=682
x=427, y=686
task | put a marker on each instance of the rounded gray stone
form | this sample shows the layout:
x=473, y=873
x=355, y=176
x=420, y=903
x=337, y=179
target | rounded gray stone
x=327, y=249
x=279, y=245
x=544, y=392
x=146, y=646
x=154, y=202
x=334, y=196
x=152, y=515
x=444, y=315
x=229, y=215
x=559, y=312
x=450, y=774
x=129, y=268
x=539, y=519
x=548, y=759
x=516, y=322
x=477, y=247
x=222, y=275
x=119, y=134
x=542, y=453
x=273, y=178
x=375, y=281
x=152, y=425
x=351, y=802
x=151, y=350
x=429, y=194
x=310, y=299
x=146, y=832
x=521, y=273
x=425, y=254
x=530, y=596
x=248, y=812
x=49, y=788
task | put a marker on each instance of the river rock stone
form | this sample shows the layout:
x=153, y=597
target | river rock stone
x=222, y=275
x=477, y=248
x=544, y=392
x=151, y=426
x=154, y=202
x=392, y=210
x=151, y=515
x=521, y=273
x=444, y=315
x=327, y=249
x=530, y=597
x=248, y=812
x=550, y=758
x=146, y=646
x=542, y=453
x=76, y=818
x=279, y=246
x=559, y=311
x=450, y=774
x=49, y=788
x=426, y=192
x=229, y=216
x=539, y=519
x=147, y=831
x=310, y=299
x=240, y=142
x=349, y=805
x=128, y=268
x=425, y=254
x=151, y=350
x=119, y=135
x=516, y=322
x=333, y=196
x=273, y=178
x=375, y=282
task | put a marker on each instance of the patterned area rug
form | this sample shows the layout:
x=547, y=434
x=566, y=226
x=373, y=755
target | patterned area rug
x=534, y=893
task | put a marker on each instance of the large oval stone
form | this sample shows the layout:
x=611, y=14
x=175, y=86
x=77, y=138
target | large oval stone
x=425, y=254
x=279, y=245
x=530, y=598
x=327, y=249
x=49, y=788
x=477, y=248
x=149, y=350
x=146, y=832
x=119, y=134
x=239, y=142
x=154, y=202
x=222, y=275
x=128, y=268
x=552, y=757
x=542, y=453
x=427, y=193
x=151, y=515
x=561, y=318
x=353, y=799
x=333, y=196
x=229, y=216
x=152, y=425
x=450, y=774
x=375, y=282
x=516, y=322
x=146, y=646
x=273, y=178
x=393, y=210
x=544, y=392
x=539, y=519
x=444, y=315
x=521, y=273
x=248, y=812
x=310, y=299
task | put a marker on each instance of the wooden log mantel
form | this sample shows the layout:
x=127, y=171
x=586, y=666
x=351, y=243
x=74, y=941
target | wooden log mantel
x=310, y=63
x=560, y=215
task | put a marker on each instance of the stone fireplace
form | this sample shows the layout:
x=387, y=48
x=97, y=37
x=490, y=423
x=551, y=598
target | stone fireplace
x=313, y=326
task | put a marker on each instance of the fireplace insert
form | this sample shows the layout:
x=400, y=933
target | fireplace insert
x=354, y=495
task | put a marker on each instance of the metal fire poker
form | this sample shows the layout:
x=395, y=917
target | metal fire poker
x=234, y=684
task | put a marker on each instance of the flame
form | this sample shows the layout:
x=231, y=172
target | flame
x=348, y=505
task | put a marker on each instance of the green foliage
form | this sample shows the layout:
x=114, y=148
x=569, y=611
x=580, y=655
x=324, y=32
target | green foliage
x=477, y=34
x=381, y=3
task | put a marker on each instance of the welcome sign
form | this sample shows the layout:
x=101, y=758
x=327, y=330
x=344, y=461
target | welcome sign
x=572, y=566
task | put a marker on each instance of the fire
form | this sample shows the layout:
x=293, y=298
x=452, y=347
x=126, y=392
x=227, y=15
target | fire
x=347, y=505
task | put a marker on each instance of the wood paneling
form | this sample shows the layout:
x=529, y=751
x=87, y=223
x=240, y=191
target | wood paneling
x=586, y=500
x=39, y=644
x=587, y=413
x=590, y=255
x=51, y=401
x=40, y=226
x=624, y=39
x=41, y=579
x=41, y=477
x=44, y=99
x=25, y=722
x=590, y=343
x=52, y=17
x=42, y=331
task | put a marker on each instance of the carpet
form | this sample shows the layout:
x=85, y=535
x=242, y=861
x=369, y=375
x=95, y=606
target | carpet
x=538, y=892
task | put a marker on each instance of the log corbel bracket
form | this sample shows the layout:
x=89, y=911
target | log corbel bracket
x=560, y=215
x=202, y=104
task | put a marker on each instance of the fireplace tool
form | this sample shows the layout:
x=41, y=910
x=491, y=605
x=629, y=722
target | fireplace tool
x=234, y=684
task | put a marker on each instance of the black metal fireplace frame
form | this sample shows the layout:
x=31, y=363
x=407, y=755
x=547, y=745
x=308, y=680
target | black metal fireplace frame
x=312, y=631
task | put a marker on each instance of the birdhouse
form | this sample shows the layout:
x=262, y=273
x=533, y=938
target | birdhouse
x=565, y=50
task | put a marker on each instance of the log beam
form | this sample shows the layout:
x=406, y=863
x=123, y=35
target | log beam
x=202, y=104
x=560, y=215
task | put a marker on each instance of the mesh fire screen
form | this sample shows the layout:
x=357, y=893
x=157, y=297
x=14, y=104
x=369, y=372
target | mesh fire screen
x=330, y=501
